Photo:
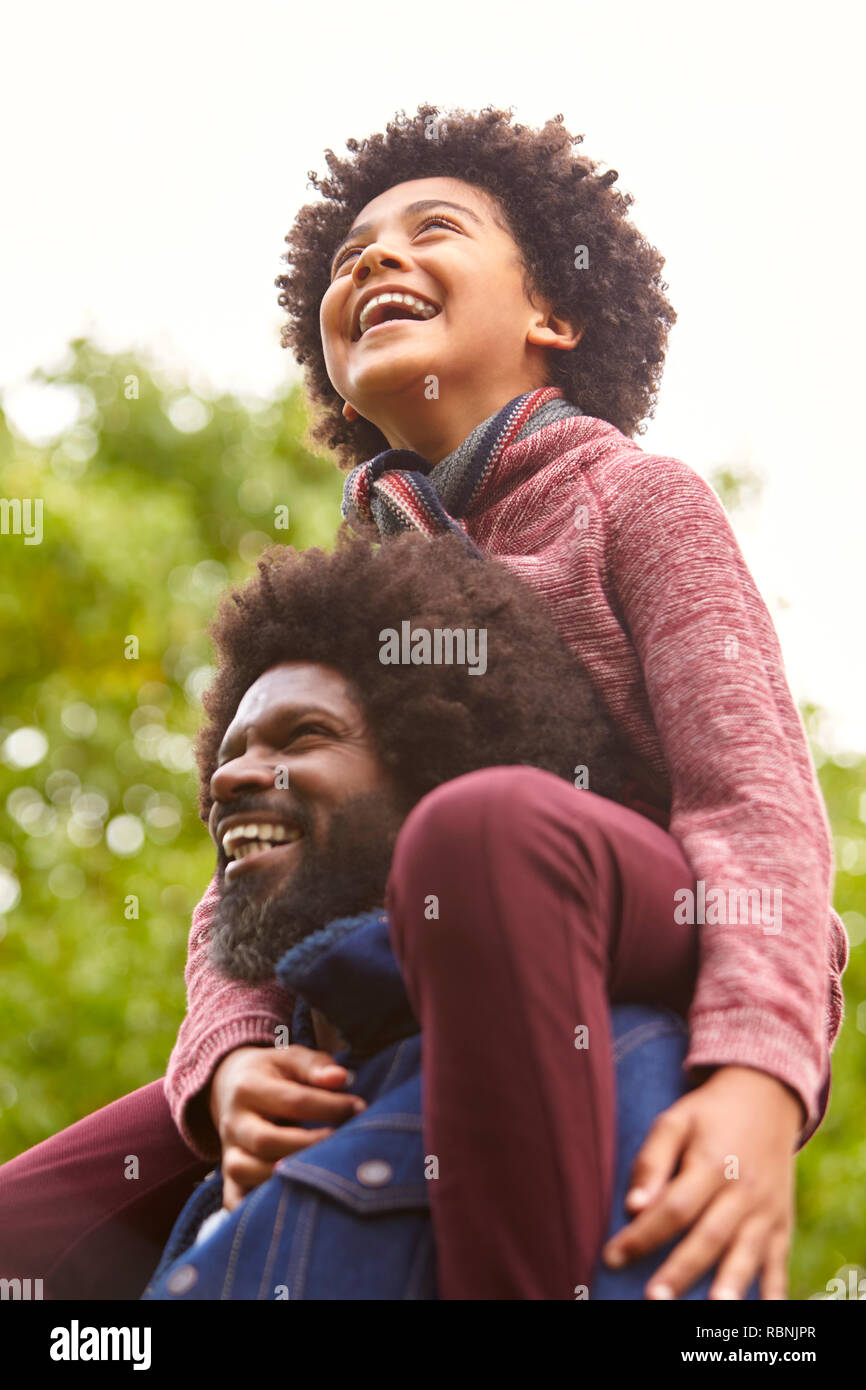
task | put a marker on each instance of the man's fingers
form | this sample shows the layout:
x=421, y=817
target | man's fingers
x=657, y=1160
x=679, y=1205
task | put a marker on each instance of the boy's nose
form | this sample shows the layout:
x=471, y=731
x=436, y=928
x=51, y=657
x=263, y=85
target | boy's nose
x=378, y=256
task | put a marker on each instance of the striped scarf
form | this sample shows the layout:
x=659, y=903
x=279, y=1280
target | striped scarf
x=400, y=490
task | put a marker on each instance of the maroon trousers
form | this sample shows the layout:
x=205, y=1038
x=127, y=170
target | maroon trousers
x=549, y=904
x=71, y=1216
x=520, y=908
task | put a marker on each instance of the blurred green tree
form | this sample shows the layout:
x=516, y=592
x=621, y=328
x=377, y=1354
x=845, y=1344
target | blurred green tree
x=154, y=498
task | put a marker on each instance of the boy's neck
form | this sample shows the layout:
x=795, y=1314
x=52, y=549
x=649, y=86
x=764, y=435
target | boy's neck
x=435, y=428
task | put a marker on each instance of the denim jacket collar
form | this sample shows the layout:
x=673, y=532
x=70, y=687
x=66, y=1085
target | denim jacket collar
x=348, y=972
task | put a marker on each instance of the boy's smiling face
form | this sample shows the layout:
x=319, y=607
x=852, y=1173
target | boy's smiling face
x=470, y=322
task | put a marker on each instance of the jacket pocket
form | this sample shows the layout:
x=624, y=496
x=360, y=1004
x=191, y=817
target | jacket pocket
x=362, y=1225
x=373, y=1164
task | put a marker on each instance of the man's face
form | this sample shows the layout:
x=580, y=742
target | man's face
x=304, y=816
x=441, y=240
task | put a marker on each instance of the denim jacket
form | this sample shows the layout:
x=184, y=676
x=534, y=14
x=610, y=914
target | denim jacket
x=348, y=1217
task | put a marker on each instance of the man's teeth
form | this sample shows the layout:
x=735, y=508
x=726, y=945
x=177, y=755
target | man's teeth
x=243, y=840
x=419, y=307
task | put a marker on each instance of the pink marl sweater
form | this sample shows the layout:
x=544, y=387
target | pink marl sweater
x=643, y=576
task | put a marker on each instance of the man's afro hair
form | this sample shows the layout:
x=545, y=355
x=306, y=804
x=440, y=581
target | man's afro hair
x=553, y=201
x=429, y=723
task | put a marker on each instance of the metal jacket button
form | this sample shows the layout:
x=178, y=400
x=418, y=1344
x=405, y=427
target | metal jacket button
x=181, y=1279
x=374, y=1172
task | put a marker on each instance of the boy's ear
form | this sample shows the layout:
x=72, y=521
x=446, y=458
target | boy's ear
x=350, y=413
x=549, y=330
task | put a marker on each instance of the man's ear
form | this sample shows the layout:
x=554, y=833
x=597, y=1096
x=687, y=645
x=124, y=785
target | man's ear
x=549, y=330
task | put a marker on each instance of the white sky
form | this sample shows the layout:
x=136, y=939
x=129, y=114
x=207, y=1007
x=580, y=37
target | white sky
x=154, y=156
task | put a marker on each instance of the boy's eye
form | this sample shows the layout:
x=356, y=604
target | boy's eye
x=443, y=222
x=431, y=221
x=346, y=252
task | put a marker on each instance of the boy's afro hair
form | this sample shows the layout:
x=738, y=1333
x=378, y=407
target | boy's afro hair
x=429, y=723
x=553, y=201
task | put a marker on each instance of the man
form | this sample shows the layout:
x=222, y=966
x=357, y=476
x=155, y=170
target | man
x=338, y=782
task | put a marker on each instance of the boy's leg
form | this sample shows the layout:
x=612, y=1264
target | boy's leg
x=73, y=1215
x=519, y=907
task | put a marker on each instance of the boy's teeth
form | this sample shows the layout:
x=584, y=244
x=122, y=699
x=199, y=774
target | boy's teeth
x=420, y=308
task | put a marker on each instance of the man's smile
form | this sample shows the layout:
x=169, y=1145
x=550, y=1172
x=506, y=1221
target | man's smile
x=246, y=838
x=261, y=854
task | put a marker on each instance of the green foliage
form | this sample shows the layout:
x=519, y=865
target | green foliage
x=831, y=1170
x=144, y=524
x=154, y=499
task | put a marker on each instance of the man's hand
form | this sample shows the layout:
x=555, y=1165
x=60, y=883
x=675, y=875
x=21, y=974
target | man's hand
x=254, y=1093
x=720, y=1164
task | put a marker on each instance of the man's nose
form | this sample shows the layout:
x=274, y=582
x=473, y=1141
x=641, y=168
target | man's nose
x=255, y=770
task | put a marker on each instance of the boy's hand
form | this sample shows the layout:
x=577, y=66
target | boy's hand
x=738, y=1121
x=255, y=1091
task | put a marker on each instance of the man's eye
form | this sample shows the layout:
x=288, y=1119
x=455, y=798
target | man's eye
x=307, y=729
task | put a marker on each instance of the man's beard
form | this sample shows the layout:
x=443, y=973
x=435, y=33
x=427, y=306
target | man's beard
x=346, y=875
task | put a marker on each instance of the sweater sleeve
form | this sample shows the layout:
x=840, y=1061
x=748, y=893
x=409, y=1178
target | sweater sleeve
x=222, y=1014
x=746, y=805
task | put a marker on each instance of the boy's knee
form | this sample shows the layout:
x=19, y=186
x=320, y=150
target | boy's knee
x=461, y=834
x=445, y=823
